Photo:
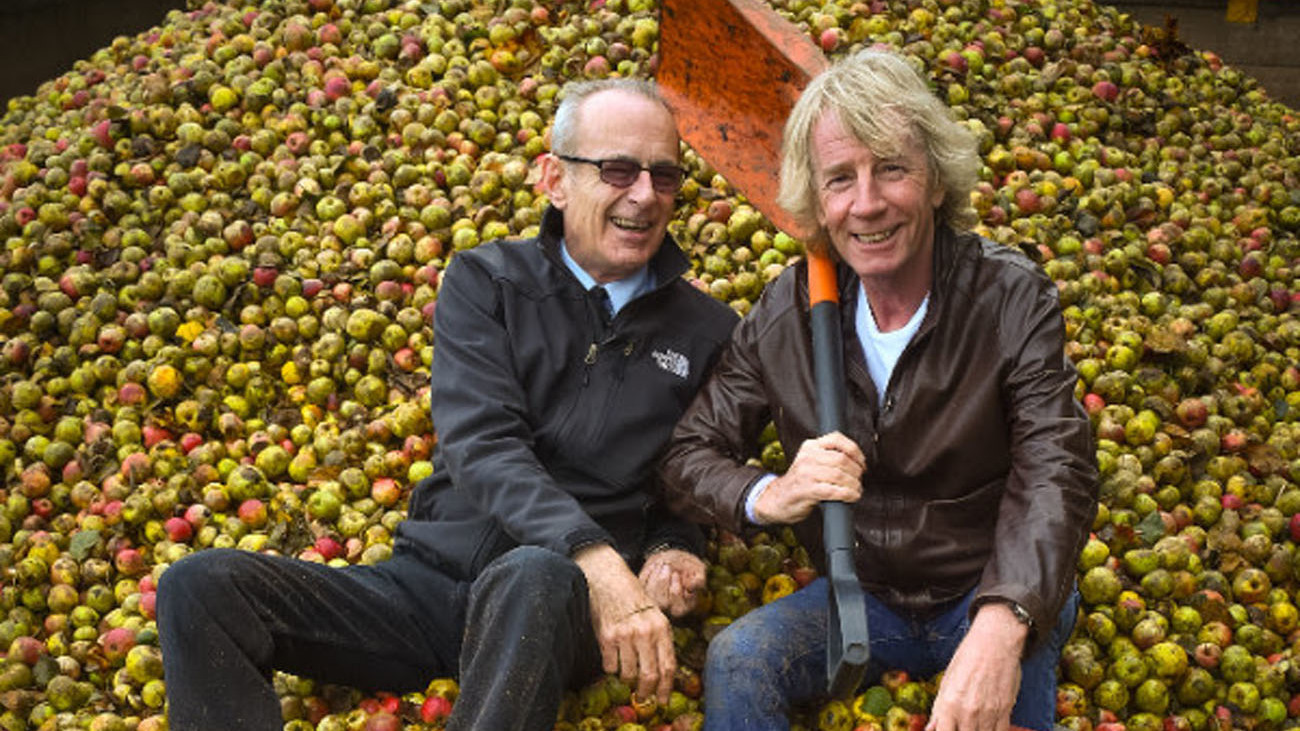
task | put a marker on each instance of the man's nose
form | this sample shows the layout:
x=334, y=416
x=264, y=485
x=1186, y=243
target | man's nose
x=641, y=188
x=867, y=198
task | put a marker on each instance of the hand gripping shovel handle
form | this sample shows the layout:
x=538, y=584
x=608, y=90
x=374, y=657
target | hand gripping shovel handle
x=848, y=647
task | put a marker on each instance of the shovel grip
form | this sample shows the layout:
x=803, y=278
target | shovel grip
x=822, y=283
x=828, y=360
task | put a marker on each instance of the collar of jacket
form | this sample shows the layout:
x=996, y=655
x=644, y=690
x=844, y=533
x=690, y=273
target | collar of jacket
x=667, y=265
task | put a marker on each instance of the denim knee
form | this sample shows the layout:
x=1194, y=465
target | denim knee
x=735, y=664
x=764, y=661
x=747, y=648
x=727, y=647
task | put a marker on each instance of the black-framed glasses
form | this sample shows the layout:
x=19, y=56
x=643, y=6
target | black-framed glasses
x=622, y=173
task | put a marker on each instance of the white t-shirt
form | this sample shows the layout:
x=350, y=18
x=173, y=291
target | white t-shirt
x=883, y=349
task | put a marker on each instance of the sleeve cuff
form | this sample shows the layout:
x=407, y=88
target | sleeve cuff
x=755, y=491
x=584, y=538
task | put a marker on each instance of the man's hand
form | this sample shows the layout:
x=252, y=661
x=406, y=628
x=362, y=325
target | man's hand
x=979, y=687
x=635, y=638
x=673, y=580
x=829, y=467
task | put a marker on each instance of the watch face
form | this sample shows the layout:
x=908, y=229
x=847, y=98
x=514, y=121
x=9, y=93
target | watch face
x=1022, y=614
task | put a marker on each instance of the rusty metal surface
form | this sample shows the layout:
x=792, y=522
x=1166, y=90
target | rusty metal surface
x=732, y=69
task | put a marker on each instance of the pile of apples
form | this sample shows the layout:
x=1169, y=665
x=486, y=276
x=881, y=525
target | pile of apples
x=222, y=241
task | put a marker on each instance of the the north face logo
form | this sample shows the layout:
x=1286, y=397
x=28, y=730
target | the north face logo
x=673, y=362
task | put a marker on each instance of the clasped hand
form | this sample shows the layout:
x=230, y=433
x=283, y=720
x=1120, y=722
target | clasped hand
x=628, y=613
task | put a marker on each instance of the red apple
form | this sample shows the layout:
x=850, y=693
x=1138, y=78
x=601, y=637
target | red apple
x=252, y=512
x=435, y=709
x=1105, y=90
x=178, y=529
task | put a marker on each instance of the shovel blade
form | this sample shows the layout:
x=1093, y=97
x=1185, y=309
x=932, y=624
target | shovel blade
x=848, y=640
x=732, y=70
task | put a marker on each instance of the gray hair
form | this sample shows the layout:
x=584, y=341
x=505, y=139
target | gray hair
x=564, y=130
x=883, y=102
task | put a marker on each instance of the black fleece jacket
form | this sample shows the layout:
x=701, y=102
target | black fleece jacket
x=550, y=422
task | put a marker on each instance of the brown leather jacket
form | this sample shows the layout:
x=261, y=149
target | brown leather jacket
x=981, y=470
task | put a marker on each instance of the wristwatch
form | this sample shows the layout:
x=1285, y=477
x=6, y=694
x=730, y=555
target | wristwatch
x=1021, y=614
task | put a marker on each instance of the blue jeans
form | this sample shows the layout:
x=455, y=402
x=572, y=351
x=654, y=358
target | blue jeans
x=775, y=657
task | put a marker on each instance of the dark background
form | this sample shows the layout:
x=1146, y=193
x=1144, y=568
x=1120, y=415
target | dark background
x=41, y=39
x=1268, y=49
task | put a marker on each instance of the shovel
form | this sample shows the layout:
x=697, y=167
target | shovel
x=732, y=70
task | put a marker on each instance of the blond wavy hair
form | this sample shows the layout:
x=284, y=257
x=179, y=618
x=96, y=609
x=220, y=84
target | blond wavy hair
x=886, y=104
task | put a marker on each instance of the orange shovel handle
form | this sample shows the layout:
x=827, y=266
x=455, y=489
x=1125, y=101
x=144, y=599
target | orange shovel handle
x=822, y=286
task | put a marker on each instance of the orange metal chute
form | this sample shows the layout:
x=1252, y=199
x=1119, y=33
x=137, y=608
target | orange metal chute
x=732, y=69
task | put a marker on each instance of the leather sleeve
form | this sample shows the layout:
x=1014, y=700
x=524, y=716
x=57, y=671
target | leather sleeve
x=704, y=472
x=1050, y=497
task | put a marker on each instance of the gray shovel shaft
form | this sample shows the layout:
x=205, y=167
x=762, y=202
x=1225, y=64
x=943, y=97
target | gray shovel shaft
x=848, y=647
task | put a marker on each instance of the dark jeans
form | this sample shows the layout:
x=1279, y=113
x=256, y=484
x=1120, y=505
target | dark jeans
x=775, y=656
x=517, y=637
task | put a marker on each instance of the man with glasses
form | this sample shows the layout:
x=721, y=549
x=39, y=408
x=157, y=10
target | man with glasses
x=538, y=553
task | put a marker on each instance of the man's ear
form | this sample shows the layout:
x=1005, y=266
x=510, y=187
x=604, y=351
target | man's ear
x=552, y=182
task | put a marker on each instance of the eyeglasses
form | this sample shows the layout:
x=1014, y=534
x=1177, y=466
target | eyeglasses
x=621, y=173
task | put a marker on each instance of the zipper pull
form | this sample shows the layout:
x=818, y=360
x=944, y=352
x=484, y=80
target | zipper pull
x=591, y=355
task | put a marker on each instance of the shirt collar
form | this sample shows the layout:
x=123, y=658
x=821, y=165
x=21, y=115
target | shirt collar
x=621, y=291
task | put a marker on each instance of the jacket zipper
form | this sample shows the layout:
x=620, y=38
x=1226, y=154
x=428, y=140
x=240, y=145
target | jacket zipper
x=589, y=361
x=593, y=352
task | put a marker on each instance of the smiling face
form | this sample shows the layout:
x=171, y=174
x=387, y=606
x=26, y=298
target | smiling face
x=610, y=231
x=878, y=212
